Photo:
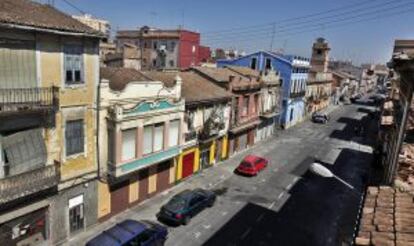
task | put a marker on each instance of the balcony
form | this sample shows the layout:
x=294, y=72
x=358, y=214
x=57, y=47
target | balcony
x=17, y=100
x=190, y=136
x=297, y=94
x=28, y=183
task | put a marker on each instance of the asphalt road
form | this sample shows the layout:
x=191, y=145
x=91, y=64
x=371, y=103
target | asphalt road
x=285, y=204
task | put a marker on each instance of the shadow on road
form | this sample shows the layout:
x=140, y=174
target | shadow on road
x=320, y=211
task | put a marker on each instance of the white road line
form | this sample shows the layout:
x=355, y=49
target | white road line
x=280, y=196
x=271, y=205
x=260, y=218
x=224, y=213
x=246, y=233
x=197, y=234
x=206, y=226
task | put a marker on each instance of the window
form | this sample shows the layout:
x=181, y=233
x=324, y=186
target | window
x=153, y=138
x=268, y=64
x=142, y=239
x=319, y=52
x=155, y=45
x=171, y=63
x=171, y=47
x=76, y=215
x=148, y=141
x=73, y=60
x=291, y=114
x=174, y=132
x=158, y=137
x=245, y=109
x=129, y=144
x=154, y=62
x=253, y=63
x=74, y=137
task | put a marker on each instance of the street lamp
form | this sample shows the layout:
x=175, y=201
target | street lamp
x=322, y=171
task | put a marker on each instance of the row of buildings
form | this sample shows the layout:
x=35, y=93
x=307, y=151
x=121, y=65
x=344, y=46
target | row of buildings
x=89, y=128
x=80, y=143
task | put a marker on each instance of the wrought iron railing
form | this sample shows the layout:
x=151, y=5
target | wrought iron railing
x=24, y=184
x=297, y=94
x=190, y=136
x=28, y=99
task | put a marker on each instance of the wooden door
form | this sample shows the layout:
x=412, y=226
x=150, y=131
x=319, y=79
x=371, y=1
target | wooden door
x=143, y=184
x=188, y=164
x=119, y=197
x=163, y=176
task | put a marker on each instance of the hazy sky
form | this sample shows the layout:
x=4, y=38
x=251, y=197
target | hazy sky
x=342, y=24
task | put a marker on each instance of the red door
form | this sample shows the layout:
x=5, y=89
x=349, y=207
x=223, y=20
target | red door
x=188, y=164
x=119, y=197
x=143, y=184
x=163, y=176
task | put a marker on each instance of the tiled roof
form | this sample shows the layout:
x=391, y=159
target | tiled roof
x=120, y=77
x=221, y=74
x=195, y=88
x=35, y=15
x=245, y=71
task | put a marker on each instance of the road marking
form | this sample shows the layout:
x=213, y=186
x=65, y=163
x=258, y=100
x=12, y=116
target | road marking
x=224, y=213
x=280, y=196
x=263, y=180
x=289, y=186
x=260, y=218
x=246, y=233
x=197, y=234
x=206, y=226
x=271, y=205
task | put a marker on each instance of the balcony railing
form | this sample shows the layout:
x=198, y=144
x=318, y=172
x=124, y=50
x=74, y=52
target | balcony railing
x=28, y=183
x=192, y=135
x=28, y=99
x=297, y=94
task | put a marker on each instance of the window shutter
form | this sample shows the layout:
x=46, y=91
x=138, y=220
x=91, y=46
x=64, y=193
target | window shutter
x=158, y=137
x=147, y=145
x=74, y=137
x=128, y=144
x=174, y=133
x=25, y=151
x=17, y=64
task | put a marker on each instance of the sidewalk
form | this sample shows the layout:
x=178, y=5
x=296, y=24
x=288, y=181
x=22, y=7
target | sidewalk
x=208, y=178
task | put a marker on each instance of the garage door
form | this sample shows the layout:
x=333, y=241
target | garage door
x=143, y=184
x=119, y=197
x=188, y=164
x=163, y=176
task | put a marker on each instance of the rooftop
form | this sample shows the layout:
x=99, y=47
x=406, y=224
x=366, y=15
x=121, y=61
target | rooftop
x=29, y=14
x=120, y=77
x=194, y=88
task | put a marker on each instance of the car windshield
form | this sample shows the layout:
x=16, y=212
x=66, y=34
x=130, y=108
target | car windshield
x=246, y=164
x=176, y=203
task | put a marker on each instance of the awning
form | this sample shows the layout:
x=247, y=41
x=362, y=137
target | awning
x=269, y=115
x=245, y=126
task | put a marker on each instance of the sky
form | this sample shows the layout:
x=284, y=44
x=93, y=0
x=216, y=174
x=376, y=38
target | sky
x=246, y=24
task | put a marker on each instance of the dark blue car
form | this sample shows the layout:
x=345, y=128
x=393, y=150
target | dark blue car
x=131, y=233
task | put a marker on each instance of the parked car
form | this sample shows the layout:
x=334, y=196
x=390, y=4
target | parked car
x=131, y=232
x=185, y=205
x=251, y=165
x=319, y=117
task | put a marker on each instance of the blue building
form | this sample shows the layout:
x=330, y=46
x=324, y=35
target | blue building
x=294, y=73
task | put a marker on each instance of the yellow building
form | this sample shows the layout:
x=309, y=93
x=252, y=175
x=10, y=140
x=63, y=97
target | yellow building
x=49, y=71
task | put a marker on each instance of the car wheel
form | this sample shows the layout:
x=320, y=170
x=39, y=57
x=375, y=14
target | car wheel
x=186, y=220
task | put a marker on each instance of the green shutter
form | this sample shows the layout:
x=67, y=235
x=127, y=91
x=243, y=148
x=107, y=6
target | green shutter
x=17, y=64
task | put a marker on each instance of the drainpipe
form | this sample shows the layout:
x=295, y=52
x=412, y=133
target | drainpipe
x=98, y=109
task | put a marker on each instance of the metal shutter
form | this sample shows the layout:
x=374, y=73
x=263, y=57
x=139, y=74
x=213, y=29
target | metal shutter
x=25, y=151
x=17, y=64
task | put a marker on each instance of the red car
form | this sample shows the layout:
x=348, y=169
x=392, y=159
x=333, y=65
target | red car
x=251, y=165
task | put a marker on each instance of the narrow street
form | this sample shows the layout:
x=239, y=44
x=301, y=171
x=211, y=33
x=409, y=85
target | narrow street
x=284, y=198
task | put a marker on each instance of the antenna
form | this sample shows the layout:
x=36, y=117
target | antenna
x=273, y=36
